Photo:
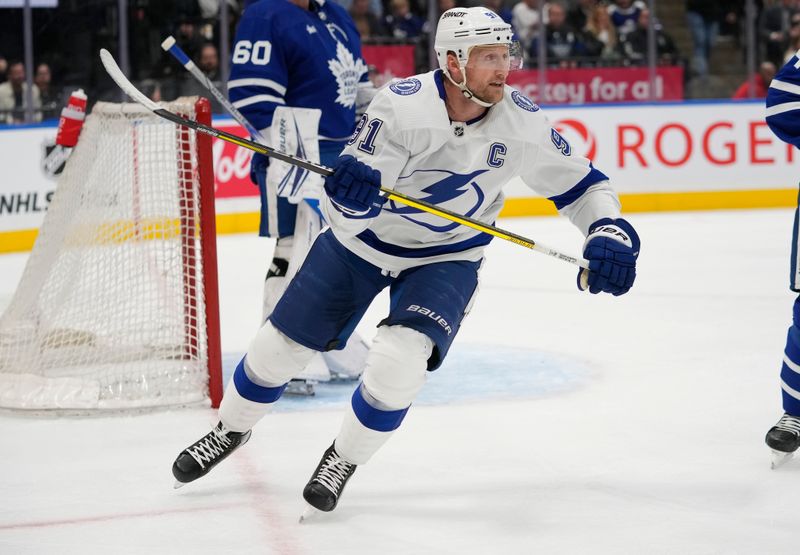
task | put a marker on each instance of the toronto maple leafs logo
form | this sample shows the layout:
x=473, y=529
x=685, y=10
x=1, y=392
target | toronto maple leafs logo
x=348, y=72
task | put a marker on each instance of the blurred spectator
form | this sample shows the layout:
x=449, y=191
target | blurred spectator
x=12, y=96
x=3, y=68
x=794, y=38
x=773, y=27
x=445, y=5
x=525, y=19
x=625, y=13
x=442, y=6
x=766, y=71
x=703, y=17
x=600, y=36
x=208, y=63
x=367, y=22
x=580, y=14
x=499, y=7
x=189, y=38
x=152, y=90
x=634, y=44
x=562, y=41
x=732, y=18
x=376, y=6
x=50, y=95
x=401, y=23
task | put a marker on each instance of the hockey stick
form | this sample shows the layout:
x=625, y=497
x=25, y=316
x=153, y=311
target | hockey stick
x=119, y=78
x=169, y=45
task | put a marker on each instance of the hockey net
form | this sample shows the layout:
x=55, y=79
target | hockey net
x=117, y=306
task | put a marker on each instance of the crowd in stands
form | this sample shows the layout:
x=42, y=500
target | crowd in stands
x=559, y=33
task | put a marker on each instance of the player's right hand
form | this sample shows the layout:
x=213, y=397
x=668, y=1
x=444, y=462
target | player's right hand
x=354, y=188
x=611, y=248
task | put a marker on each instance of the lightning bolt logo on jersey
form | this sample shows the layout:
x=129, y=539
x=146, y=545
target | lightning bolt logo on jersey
x=448, y=186
x=285, y=55
x=407, y=135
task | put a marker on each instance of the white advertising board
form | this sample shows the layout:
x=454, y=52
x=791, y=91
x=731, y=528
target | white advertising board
x=646, y=150
x=724, y=146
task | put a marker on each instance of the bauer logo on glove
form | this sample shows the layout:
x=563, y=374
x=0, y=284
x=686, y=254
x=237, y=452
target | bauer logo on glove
x=611, y=248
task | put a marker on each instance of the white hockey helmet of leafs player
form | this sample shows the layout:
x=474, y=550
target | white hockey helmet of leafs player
x=462, y=29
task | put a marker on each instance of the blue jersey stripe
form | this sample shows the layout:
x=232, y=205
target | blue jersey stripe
x=567, y=198
x=372, y=240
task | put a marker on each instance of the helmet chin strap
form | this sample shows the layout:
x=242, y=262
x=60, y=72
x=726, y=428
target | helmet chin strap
x=465, y=90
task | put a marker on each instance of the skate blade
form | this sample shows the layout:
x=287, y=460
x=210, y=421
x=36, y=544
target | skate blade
x=779, y=458
x=302, y=389
x=308, y=513
x=178, y=485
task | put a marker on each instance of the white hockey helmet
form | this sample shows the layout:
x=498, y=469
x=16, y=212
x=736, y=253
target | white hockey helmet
x=461, y=29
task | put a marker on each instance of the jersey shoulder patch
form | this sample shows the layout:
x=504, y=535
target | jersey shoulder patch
x=524, y=102
x=406, y=87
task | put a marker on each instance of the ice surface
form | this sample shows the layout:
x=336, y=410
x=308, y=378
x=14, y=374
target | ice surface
x=561, y=423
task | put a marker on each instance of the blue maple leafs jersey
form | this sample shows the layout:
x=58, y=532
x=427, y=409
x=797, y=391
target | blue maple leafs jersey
x=783, y=102
x=284, y=55
x=407, y=135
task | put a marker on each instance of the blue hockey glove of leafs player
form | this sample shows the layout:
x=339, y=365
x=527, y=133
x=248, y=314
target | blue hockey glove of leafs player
x=258, y=166
x=354, y=188
x=611, y=248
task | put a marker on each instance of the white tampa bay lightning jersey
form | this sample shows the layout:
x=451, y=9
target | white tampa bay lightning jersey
x=407, y=135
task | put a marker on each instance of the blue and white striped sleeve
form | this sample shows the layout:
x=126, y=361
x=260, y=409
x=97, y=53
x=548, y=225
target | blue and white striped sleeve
x=783, y=102
x=259, y=74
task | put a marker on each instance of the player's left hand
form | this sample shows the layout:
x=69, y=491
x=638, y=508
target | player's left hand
x=354, y=188
x=611, y=248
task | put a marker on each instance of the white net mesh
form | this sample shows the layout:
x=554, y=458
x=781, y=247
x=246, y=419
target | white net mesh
x=109, y=312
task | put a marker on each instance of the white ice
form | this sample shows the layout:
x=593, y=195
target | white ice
x=563, y=422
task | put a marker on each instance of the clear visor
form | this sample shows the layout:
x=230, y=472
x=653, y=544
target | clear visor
x=506, y=57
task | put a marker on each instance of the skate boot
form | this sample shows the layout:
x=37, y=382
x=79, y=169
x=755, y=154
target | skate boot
x=198, y=459
x=784, y=439
x=327, y=483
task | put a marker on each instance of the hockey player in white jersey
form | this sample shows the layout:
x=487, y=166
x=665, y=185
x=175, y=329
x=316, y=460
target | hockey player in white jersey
x=452, y=137
x=783, y=117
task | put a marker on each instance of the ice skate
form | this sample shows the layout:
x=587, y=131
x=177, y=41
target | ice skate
x=301, y=387
x=305, y=383
x=784, y=439
x=327, y=483
x=198, y=459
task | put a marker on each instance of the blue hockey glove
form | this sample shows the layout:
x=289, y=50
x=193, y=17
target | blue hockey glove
x=611, y=248
x=258, y=166
x=354, y=188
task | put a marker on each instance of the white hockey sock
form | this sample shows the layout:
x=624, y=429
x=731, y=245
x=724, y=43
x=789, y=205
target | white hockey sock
x=239, y=414
x=356, y=443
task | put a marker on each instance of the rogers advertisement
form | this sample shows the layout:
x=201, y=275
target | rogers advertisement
x=681, y=147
